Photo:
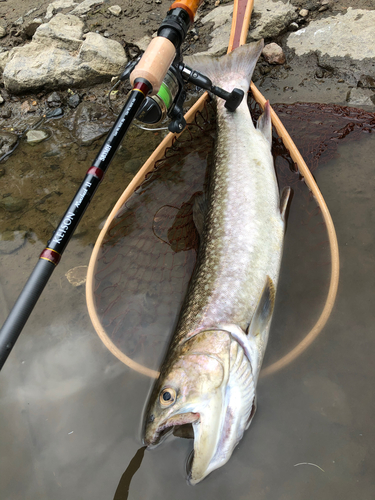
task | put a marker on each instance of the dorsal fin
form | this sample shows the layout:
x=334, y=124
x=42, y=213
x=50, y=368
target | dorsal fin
x=264, y=310
x=264, y=123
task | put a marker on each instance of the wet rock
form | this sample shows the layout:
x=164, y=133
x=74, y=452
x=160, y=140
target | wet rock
x=3, y=32
x=7, y=142
x=54, y=100
x=6, y=113
x=90, y=122
x=12, y=204
x=303, y=12
x=11, y=241
x=26, y=107
x=115, y=10
x=54, y=113
x=85, y=6
x=56, y=7
x=361, y=97
x=334, y=40
x=366, y=82
x=273, y=54
x=58, y=56
x=74, y=100
x=36, y=136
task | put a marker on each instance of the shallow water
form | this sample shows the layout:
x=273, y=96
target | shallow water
x=70, y=412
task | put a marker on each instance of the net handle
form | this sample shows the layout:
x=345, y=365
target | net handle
x=240, y=25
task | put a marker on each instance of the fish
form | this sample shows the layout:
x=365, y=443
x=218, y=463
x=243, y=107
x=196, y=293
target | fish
x=209, y=375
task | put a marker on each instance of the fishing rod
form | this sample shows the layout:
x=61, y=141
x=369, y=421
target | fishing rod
x=157, y=78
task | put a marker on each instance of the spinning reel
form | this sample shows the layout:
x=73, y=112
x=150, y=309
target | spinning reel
x=171, y=96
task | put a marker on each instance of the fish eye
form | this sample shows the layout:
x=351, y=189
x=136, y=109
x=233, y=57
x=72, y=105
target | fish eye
x=167, y=396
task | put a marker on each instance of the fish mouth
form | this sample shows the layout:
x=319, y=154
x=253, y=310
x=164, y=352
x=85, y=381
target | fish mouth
x=154, y=436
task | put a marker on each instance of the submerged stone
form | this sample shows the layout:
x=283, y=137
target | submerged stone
x=7, y=142
x=36, y=136
x=11, y=241
x=12, y=204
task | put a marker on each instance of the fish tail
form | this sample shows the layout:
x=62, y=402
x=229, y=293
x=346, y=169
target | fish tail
x=223, y=71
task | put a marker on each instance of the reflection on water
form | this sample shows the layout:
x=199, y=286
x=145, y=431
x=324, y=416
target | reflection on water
x=70, y=412
x=122, y=491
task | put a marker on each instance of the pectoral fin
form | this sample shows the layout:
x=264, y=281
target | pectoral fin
x=264, y=310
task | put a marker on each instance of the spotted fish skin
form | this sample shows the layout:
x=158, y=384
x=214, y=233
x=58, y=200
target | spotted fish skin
x=213, y=362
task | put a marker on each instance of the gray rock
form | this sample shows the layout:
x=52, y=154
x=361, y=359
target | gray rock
x=12, y=204
x=361, y=97
x=74, y=100
x=85, y=6
x=3, y=32
x=58, y=57
x=19, y=21
x=56, y=7
x=344, y=44
x=62, y=32
x=54, y=100
x=7, y=142
x=115, y=10
x=273, y=54
x=11, y=241
x=269, y=19
x=36, y=136
x=54, y=113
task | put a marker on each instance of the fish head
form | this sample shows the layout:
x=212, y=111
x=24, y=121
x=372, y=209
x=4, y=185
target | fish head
x=195, y=389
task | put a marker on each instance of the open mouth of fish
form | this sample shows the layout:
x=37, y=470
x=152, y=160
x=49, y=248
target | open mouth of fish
x=180, y=425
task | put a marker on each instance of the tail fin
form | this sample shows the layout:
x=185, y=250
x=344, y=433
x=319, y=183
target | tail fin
x=236, y=67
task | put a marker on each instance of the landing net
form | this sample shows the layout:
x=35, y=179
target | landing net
x=148, y=253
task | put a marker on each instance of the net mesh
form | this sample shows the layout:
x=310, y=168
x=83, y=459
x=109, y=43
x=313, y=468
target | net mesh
x=149, y=251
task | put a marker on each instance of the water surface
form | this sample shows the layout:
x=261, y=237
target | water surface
x=70, y=412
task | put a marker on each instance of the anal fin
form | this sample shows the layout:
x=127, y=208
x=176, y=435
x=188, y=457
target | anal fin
x=284, y=200
x=264, y=123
